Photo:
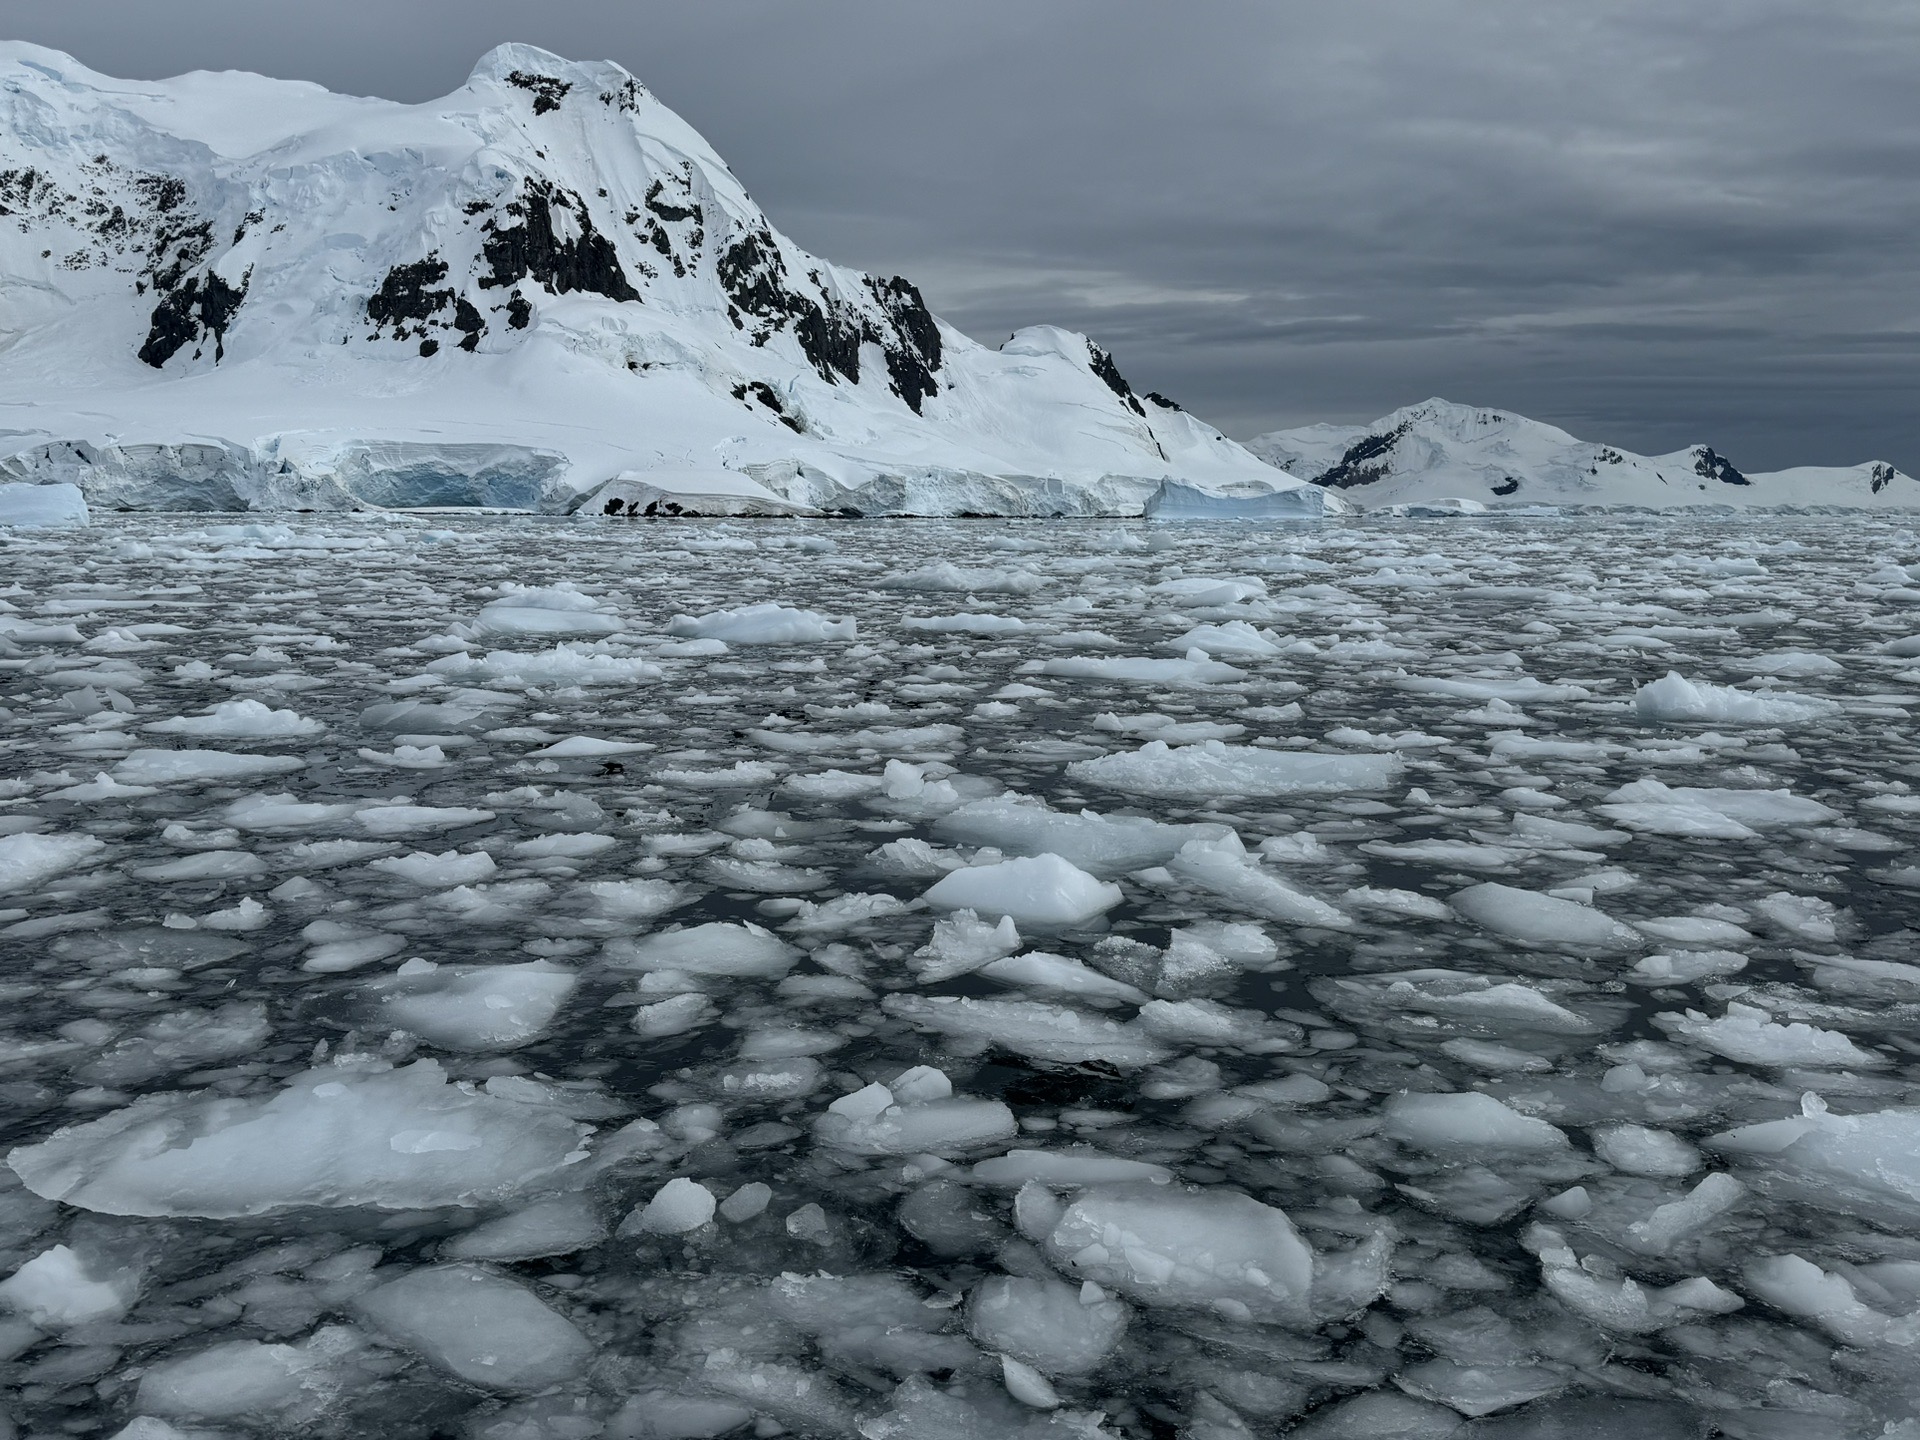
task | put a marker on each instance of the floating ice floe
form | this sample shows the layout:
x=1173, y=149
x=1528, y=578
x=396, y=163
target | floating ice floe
x=1195, y=669
x=200, y=767
x=763, y=624
x=1674, y=698
x=349, y=1134
x=478, y=1325
x=716, y=948
x=1751, y=1035
x=965, y=623
x=27, y=860
x=1167, y=1245
x=1223, y=868
x=1866, y=1165
x=545, y=611
x=240, y=720
x=1057, y=1328
x=473, y=1007
x=917, y=1114
x=1213, y=769
x=1038, y=890
x=944, y=575
x=1709, y=814
x=1103, y=845
x=1054, y=1033
x=1538, y=919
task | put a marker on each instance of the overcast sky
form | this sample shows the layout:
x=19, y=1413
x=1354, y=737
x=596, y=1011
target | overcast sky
x=1649, y=222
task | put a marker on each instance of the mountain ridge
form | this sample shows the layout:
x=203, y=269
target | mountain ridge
x=1439, y=450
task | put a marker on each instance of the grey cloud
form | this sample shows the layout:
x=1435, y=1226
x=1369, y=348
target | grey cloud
x=1650, y=223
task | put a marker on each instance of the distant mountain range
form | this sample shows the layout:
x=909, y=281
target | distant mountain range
x=1438, y=450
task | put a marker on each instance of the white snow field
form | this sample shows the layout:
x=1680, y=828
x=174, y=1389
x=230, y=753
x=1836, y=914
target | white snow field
x=541, y=292
x=517, y=977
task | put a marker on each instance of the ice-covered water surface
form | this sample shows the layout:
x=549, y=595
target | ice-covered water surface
x=508, y=979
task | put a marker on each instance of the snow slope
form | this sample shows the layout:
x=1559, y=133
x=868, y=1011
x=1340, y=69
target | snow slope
x=1437, y=450
x=223, y=291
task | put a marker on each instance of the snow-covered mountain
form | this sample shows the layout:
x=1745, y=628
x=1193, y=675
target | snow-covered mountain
x=1439, y=450
x=226, y=291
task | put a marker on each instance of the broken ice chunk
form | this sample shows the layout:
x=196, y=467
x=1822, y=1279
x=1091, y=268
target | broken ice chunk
x=716, y=948
x=1041, y=890
x=1538, y=919
x=1638, y=1150
x=677, y=1207
x=871, y=1122
x=1045, y=1323
x=1201, y=1248
x=963, y=942
x=475, y=1007
x=1866, y=1165
x=56, y=1288
x=1041, y=1032
x=478, y=1325
x=557, y=1226
x=1467, y=1123
x=1212, y=768
x=767, y=623
x=1748, y=1034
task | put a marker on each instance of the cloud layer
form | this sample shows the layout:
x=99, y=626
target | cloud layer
x=1649, y=223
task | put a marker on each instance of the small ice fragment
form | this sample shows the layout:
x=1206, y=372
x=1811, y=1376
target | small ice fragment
x=679, y=1206
x=1027, y=1385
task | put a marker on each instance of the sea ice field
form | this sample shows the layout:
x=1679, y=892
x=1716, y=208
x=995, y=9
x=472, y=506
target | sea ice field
x=497, y=978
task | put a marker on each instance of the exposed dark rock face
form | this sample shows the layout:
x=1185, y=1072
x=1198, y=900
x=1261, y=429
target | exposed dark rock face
x=913, y=352
x=199, y=306
x=755, y=278
x=767, y=396
x=534, y=250
x=1506, y=486
x=1102, y=365
x=408, y=296
x=1364, y=461
x=405, y=294
x=1881, y=477
x=668, y=211
x=547, y=91
x=1708, y=464
x=1156, y=398
x=519, y=312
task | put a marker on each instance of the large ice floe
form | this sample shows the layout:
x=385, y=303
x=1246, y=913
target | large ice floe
x=484, y=978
